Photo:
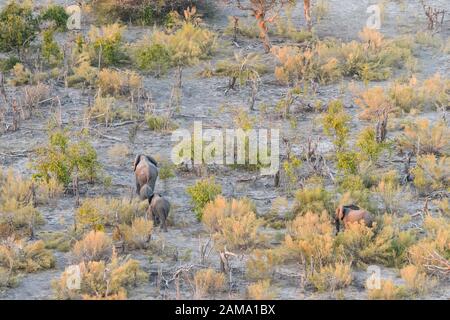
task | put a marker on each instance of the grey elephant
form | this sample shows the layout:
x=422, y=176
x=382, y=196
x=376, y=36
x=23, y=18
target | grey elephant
x=159, y=210
x=146, y=173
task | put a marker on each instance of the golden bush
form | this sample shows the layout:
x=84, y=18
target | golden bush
x=261, y=290
x=233, y=224
x=208, y=281
x=261, y=264
x=101, y=280
x=96, y=213
x=431, y=173
x=95, y=246
x=431, y=254
x=372, y=102
x=417, y=282
x=332, y=277
x=136, y=236
x=309, y=240
x=388, y=291
x=19, y=256
x=119, y=83
x=424, y=137
x=17, y=199
x=385, y=243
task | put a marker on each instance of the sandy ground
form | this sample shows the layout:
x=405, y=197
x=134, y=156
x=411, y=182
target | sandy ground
x=202, y=100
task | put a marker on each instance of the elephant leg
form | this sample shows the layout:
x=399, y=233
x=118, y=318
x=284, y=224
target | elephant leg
x=163, y=218
x=138, y=188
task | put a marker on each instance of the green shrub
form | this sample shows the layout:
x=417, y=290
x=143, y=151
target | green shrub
x=18, y=27
x=61, y=158
x=201, y=193
x=312, y=198
x=154, y=58
x=159, y=123
x=146, y=12
x=8, y=63
x=50, y=49
x=56, y=14
x=105, y=44
x=369, y=148
x=335, y=123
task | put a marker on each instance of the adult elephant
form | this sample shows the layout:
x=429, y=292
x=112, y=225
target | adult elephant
x=146, y=173
x=350, y=214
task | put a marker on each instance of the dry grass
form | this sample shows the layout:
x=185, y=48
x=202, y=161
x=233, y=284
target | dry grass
x=119, y=83
x=261, y=264
x=19, y=256
x=233, y=224
x=309, y=240
x=332, y=277
x=101, y=280
x=96, y=213
x=425, y=137
x=208, y=282
x=417, y=282
x=431, y=173
x=261, y=290
x=17, y=198
x=388, y=291
x=431, y=254
x=119, y=153
x=136, y=236
x=95, y=246
x=33, y=96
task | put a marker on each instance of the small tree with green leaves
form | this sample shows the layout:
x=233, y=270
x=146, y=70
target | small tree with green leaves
x=203, y=192
x=50, y=49
x=57, y=15
x=65, y=159
x=335, y=124
x=18, y=27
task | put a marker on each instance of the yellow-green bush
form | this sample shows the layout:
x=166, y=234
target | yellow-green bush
x=431, y=173
x=314, y=198
x=201, y=193
x=382, y=244
x=332, y=277
x=261, y=290
x=388, y=291
x=232, y=224
x=19, y=256
x=95, y=246
x=96, y=213
x=423, y=137
x=261, y=263
x=309, y=240
x=208, y=281
x=101, y=280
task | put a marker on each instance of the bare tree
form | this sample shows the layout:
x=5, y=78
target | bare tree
x=265, y=12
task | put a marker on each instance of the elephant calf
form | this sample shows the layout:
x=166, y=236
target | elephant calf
x=146, y=173
x=159, y=210
x=352, y=213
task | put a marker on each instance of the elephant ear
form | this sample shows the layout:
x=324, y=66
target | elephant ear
x=152, y=160
x=136, y=161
